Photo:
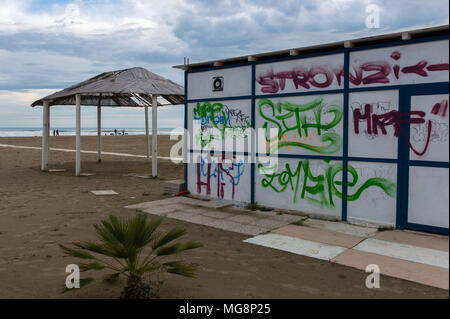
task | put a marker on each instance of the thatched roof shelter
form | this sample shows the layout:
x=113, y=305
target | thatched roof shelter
x=135, y=87
x=128, y=87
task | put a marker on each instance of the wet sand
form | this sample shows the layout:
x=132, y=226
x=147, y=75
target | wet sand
x=38, y=210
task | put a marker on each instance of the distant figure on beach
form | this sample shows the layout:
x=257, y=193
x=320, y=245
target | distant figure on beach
x=54, y=133
x=57, y=132
x=115, y=131
x=123, y=132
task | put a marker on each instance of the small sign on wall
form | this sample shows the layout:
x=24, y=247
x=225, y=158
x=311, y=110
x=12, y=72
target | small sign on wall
x=217, y=83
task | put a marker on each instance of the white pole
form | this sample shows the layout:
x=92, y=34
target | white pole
x=45, y=130
x=99, y=133
x=147, y=138
x=78, y=135
x=47, y=155
x=154, y=135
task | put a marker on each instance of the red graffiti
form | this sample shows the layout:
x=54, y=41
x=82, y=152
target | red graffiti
x=440, y=108
x=379, y=71
x=316, y=76
x=222, y=171
x=375, y=122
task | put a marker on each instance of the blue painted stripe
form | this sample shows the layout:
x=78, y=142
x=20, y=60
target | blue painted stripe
x=228, y=98
x=427, y=228
x=429, y=164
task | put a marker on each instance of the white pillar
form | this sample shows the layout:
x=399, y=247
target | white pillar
x=147, y=138
x=47, y=156
x=99, y=133
x=45, y=136
x=154, y=135
x=78, y=135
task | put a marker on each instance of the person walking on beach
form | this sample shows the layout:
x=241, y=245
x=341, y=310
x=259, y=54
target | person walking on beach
x=115, y=131
x=54, y=133
x=57, y=132
x=123, y=132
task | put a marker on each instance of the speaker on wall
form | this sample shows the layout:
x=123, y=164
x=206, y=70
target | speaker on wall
x=217, y=83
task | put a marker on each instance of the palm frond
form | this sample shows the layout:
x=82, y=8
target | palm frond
x=76, y=252
x=83, y=283
x=182, y=270
x=169, y=249
x=91, y=266
x=112, y=277
x=168, y=237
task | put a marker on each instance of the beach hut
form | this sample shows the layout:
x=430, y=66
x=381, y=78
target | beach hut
x=135, y=87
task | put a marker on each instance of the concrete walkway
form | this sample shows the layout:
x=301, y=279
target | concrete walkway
x=414, y=256
x=217, y=214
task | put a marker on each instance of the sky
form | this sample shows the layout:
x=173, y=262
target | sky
x=47, y=45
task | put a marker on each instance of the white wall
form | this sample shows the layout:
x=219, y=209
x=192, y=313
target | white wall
x=300, y=75
x=314, y=185
x=229, y=177
x=284, y=116
x=377, y=67
x=237, y=82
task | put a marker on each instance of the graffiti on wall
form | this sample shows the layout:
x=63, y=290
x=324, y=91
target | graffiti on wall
x=310, y=126
x=317, y=76
x=407, y=64
x=216, y=121
x=320, y=188
x=376, y=120
x=224, y=170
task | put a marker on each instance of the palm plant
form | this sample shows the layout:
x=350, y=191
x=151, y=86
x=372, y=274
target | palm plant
x=132, y=247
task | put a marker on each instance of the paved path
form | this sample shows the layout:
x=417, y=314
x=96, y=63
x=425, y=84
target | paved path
x=414, y=256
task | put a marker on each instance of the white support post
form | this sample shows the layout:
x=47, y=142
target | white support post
x=78, y=135
x=99, y=133
x=47, y=156
x=154, y=135
x=45, y=136
x=147, y=137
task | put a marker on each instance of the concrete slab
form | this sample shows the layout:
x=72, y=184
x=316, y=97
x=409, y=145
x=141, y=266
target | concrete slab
x=425, y=240
x=244, y=218
x=288, y=218
x=408, y=270
x=87, y=174
x=319, y=235
x=191, y=218
x=147, y=176
x=341, y=227
x=416, y=254
x=269, y=223
x=104, y=192
x=162, y=210
x=297, y=246
x=214, y=213
x=237, y=227
x=56, y=170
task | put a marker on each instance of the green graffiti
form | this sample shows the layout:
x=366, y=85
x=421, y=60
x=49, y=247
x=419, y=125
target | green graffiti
x=218, y=121
x=321, y=189
x=278, y=114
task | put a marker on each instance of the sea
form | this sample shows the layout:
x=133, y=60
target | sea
x=37, y=131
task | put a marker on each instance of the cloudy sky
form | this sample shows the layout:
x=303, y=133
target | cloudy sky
x=46, y=45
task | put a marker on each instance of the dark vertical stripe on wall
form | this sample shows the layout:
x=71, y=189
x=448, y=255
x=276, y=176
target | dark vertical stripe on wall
x=345, y=135
x=253, y=140
x=402, y=167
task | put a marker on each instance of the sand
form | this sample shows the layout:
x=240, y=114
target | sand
x=38, y=210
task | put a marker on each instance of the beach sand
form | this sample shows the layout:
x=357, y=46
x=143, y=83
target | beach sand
x=38, y=210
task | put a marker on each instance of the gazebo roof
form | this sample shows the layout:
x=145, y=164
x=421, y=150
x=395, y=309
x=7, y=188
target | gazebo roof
x=128, y=87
